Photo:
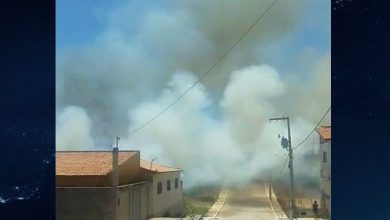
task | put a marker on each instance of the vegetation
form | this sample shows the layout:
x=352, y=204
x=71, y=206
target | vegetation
x=304, y=197
x=198, y=200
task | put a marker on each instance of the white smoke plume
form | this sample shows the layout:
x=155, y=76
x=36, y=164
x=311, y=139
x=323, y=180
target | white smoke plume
x=219, y=131
x=74, y=129
x=211, y=149
x=247, y=101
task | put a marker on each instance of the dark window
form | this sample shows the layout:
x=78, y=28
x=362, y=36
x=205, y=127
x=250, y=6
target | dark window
x=325, y=157
x=176, y=183
x=322, y=173
x=159, y=188
x=181, y=183
x=168, y=185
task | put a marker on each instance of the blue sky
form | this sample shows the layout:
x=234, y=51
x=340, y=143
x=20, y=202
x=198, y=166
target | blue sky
x=79, y=22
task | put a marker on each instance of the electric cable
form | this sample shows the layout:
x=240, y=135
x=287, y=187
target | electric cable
x=207, y=72
x=304, y=140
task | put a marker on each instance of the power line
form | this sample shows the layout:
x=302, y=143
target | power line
x=285, y=162
x=300, y=144
x=284, y=165
x=207, y=72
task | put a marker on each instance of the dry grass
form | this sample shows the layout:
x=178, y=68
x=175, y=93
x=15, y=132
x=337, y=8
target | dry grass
x=304, y=200
x=198, y=200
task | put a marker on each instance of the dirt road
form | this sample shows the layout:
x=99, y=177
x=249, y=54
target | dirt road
x=250, y=202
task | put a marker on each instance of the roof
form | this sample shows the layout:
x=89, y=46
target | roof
x=88, y=163
x=146, y=165
x=325, y=132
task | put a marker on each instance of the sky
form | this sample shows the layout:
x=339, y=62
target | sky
x=80, y=22
x=119, y=63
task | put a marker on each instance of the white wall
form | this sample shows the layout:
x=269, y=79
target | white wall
x=326, y=168
x=133, y=203
x=168, y=202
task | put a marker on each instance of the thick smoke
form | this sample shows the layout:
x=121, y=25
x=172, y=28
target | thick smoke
x=210, y=149
x=220, y=130
x=74, y=129
x=246, y=101
x=131, y=61
x=235, y=148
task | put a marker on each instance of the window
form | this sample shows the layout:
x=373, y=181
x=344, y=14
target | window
x=322, y=173
x=168, y=185
x=159, y=188
x=325, y=157
x=176, y=183
x=181, y=183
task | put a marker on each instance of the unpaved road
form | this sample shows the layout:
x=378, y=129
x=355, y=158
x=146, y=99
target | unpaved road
x=250, y=202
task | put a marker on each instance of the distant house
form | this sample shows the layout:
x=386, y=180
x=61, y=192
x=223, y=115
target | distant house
x=325, y=152
x=115, y=185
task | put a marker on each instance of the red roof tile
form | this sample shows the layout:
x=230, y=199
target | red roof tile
x=87, y=163
x=324, y=132
x=145, y=164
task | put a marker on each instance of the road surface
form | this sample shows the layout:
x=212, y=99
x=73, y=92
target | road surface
x=250, y=202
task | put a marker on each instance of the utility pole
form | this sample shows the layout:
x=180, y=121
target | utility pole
x=291, y=166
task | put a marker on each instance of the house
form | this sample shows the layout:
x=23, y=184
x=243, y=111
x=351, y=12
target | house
x=325, y=175
x=166, y=189
x=115, y=185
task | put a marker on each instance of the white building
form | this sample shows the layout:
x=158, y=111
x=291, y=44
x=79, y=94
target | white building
x=166, y=189
x=325, y=176
x=115, y=185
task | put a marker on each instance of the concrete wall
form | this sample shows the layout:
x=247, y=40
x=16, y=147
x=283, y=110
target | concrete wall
x=98, y=203
x=83, y=181
x=326, y=168
x=133, y=202
x=129, y=171
x=85, y=203
x=168, y=203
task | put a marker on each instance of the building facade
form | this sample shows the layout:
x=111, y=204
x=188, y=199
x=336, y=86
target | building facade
x=166, y=190
x=325, y=172
x=114, y=186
